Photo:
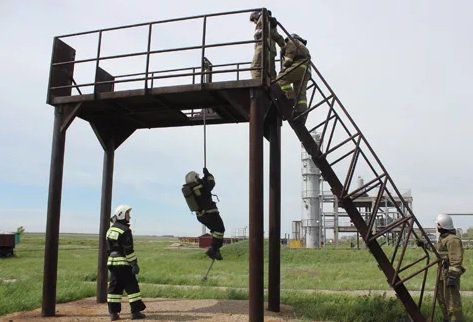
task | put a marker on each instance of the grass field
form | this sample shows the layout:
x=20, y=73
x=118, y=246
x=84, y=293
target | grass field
x=309, y=278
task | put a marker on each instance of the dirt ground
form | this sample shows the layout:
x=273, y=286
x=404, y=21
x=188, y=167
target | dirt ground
x=160, y=309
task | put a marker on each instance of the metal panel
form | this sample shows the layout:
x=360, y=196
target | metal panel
x=61, y=75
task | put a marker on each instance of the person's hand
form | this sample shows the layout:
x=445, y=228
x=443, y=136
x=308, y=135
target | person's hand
x=421, y=243
x=135, y=269
x=206, y=172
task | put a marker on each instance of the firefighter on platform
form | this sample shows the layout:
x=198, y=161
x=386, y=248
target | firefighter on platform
x=198, y=195
x=274, y=38
x=123, y=266
x=450, y=248
x=295, y=74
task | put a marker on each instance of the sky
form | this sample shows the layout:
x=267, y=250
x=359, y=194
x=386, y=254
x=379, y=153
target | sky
x=403, y=70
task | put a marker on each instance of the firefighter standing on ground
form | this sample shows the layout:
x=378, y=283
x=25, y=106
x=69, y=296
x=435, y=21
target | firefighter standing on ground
x=295, y=74
x=198, y=195
x=123, y=265
x=275, y=38
x=450, y=248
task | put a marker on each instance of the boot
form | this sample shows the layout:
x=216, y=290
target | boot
x=114, y=316
x=214, y=254
x=137, y=316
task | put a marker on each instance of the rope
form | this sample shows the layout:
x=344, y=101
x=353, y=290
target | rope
x=205, y=138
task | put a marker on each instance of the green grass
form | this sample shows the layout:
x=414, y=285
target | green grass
x=166, y=270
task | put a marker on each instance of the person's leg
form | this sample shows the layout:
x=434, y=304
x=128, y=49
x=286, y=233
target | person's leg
x=217, y=229
x=134, y=295
x=114, y=293
x=256, y=63
x=214, y=223
x=441, y=299
x=302, y=76
x=453, y=303
x=285, y=80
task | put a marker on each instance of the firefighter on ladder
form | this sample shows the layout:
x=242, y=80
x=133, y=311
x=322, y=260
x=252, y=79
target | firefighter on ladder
x=123, y=266
x=295, y=74
x=198, y=194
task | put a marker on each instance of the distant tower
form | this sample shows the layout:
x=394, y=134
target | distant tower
x=311, y=214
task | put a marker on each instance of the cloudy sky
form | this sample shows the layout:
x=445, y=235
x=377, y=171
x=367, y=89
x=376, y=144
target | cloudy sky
x=403, y=69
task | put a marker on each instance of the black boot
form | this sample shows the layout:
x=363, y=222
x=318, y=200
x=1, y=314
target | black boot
x=114, y=316
x=214, y=254
x=137, y=316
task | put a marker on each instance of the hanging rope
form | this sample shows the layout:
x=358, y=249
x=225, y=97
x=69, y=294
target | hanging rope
x=205, y=139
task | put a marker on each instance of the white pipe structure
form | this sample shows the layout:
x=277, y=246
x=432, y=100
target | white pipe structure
x=311, y=212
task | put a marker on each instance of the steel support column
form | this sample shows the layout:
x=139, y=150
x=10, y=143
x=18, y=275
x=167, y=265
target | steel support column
x=105, y=210
x=256, y=260
x=53, y=214
x=274, y=265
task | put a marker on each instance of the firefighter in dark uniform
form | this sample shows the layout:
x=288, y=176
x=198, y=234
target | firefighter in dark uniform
x=450, y=248
x=123, y=266
x=295, y=74
x=207, y=212
x=274, y=38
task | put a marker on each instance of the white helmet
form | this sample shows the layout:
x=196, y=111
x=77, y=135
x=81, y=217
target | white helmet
x=121, y=211
x=444, y=222
x=192, y=177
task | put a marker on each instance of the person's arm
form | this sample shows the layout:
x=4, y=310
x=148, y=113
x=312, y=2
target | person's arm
x=290, y=52
x=455, y=259
x=130, y=252
x=208, y=180
x=275, y=35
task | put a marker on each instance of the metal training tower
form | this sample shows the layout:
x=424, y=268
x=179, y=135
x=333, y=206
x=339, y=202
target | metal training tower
x=168, y=81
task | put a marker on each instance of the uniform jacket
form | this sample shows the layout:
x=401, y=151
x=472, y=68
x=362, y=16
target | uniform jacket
x=294, y=52
x=206, y=184
x=450, y=248
x=120, y=244
x=275, y=37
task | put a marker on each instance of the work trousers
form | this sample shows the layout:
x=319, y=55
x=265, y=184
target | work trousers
x=214, y=223
x=293, y=82
x=258, y=63
x=122, y=279
x=450, y=301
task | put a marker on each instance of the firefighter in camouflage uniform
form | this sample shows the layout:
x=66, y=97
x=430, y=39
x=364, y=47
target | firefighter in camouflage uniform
x=123, y=266
x=295, y=74
x=450, y=248
x=274, y=38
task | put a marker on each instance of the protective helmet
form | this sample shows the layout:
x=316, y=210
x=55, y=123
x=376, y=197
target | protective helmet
x=296, y=36
x=444, y=222
x=192, y=177
x=121, y=211
x=254, y=16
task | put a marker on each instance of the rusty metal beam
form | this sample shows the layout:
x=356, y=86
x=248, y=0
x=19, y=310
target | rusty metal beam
x=105, y=210
x=53, y=215
x=274, y=264
x=256, y=254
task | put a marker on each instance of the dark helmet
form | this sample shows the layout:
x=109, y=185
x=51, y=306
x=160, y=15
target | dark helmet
x=297, y=37
x=254, y=16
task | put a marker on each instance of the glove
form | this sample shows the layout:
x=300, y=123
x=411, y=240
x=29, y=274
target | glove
x=421, y=243
x=451, y=281
x=206, y=172
x=135, y=269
